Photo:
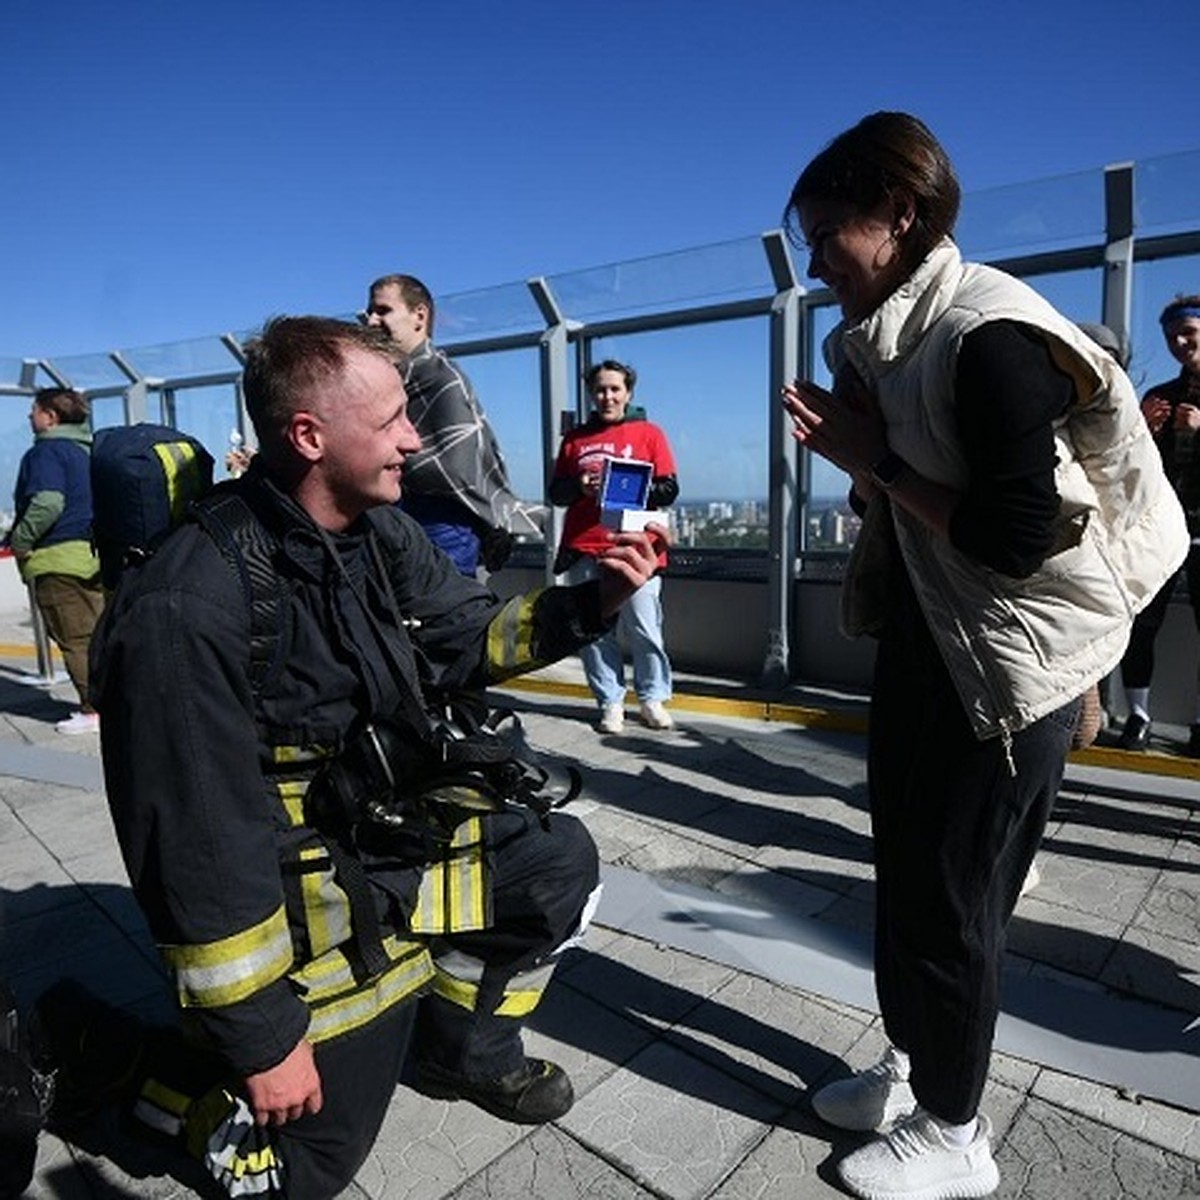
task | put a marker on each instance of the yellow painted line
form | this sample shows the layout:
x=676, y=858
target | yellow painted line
x=1146, y=762
x=16, y=650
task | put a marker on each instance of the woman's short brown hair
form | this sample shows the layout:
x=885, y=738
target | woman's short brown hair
x=884, y=154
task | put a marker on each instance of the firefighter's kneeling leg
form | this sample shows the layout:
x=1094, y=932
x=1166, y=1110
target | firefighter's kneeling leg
x=543, y=880
x=320, y=1154
x=185, y=1096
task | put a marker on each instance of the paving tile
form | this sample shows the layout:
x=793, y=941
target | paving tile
x=1082, y=883
x=617, y=834
x=550, y=1166
x=427, y=1148
x=71, y=824
x=1072, y=940
x=645, y=981
x=1172, y=907
x=586, y=1038
x=838, y=864
x=683, y=859
x=769, y=1037
x=788, y=1164
x=1050, y=1154
x=1158, y=968
x=1161, y=1125
x=680, y=1139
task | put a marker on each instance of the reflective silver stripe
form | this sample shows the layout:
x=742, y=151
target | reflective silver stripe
x=228, y=970
x=359, y=1008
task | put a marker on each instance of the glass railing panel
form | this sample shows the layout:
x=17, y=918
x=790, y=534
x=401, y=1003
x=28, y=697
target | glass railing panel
x=108, y=410
x=15, y=438
x=1165, y=192
x=708, y=274
x=1028, y=218
x=707, y=386
x=181, y=360
x=10, y=370
x=490, y=312
x=88, y=371
x=210, y=414
x=1078, y=295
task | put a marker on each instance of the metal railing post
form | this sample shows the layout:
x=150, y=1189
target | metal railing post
x=1118, y=252
x=782, y=499
x=555, y=389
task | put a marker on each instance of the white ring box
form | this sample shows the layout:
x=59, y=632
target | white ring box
x=624, y=490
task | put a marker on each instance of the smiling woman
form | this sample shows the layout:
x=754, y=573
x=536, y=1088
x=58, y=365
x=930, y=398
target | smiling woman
x=1015, y=514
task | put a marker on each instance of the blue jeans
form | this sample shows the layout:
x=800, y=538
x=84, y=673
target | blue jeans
x=640, y=624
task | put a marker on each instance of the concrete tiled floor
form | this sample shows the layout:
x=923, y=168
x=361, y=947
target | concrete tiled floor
x=727, y=973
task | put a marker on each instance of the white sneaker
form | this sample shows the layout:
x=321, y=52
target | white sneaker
x=612, y=720
x=872, y=1100
x=79, y=722
x=915, y=1162
x=655, y=716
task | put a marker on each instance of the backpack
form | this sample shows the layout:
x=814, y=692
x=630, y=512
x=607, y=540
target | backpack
x=146, y=481
x=144, y=477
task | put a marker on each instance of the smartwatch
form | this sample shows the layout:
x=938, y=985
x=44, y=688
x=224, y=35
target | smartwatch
x=886, y=472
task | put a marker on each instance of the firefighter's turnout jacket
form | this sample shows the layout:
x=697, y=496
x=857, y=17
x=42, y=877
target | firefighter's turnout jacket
x=206, y=764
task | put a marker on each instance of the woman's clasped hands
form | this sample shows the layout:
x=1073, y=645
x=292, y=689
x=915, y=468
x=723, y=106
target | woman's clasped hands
x=844, y=425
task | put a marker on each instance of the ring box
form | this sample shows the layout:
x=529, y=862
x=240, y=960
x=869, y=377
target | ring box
x=624, y=490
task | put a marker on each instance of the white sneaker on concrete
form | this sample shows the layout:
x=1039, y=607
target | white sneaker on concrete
x=655, y=716
x=612, y=719
x=872, y=1100
x=79, y=722
x=916, y=1162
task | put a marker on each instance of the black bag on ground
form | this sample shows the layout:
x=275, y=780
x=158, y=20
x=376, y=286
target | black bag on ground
x=26, y=1094
x=144, y=477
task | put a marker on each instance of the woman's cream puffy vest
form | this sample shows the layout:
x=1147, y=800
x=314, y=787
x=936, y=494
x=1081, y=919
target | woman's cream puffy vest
x=1016, y=648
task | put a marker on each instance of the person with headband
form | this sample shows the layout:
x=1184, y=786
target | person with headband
x=1015, y=514
x=1172, y=411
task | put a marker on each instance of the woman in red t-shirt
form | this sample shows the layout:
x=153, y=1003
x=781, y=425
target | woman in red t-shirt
x=616, y=431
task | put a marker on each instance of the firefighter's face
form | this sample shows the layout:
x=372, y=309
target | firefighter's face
x=364, y=436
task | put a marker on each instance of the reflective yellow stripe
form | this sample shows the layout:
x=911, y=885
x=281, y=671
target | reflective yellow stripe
x=457, y=991
x=232, y=968
x=359, y=1008
x=291, y=796
x=453, y=896
x=300, y=755
x=181, y=471
x=166, y=1098
x=510, y=637
x=457, y=978
x=326, y=908
x=518, y=1004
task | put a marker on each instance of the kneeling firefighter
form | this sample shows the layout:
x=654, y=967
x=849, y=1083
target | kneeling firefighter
x=317, y=833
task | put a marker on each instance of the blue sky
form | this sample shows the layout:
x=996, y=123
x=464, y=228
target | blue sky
x=177, y=169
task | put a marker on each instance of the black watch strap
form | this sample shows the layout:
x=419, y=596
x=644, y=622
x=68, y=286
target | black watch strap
x=887, y=471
